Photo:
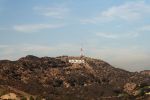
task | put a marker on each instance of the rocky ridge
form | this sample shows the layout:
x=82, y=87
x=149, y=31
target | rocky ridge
x=54, y=78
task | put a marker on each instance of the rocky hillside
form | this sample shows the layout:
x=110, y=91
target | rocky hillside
x=145, y=72
x=57, y=79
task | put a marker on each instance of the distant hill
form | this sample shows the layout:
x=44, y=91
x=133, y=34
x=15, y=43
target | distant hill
x=145, y=72
x=54, y=78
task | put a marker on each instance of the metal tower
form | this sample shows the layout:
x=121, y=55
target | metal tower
x=81, y=52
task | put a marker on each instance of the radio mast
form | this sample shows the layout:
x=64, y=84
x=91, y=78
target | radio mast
x=81, y=52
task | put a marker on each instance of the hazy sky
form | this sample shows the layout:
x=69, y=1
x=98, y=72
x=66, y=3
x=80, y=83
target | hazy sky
x=117, y=31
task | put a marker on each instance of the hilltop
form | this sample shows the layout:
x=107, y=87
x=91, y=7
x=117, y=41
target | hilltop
x=54, y=78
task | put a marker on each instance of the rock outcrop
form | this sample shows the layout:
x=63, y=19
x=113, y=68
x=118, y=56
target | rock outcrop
x=145, y=72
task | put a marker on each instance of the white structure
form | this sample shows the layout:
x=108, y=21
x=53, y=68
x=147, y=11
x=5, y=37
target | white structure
x=76, y=61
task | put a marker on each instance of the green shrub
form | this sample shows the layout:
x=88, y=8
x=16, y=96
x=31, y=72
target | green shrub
x=123, y=95
x=31, y=98
x=23, y=98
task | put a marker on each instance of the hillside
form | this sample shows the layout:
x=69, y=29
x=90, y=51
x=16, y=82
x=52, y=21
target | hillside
x=54, y=78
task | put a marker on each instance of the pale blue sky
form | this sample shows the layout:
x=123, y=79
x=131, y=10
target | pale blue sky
x=116, y=31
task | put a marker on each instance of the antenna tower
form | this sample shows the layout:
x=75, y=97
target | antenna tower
x=81, y=52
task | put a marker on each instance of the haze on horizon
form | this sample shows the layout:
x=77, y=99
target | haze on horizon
x=116, y=31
